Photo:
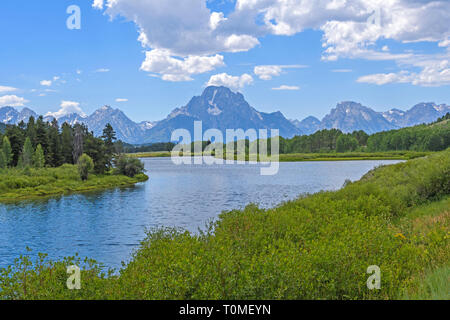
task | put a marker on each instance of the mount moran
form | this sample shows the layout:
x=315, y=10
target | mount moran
x=220, y=108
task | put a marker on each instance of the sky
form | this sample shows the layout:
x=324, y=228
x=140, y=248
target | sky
x=147, y=57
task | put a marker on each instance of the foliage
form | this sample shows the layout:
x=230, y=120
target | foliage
x=85, y=165
x=7, y=151
x=346, y=143
x=16, y=184
x=39, y=157
x=129, y=166
x=60, y=145
x=316, y=247
x=27, y=153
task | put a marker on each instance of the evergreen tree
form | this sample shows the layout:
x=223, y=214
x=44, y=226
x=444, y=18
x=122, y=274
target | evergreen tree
x=38, y=157
x=55, y=158
x=7, y=151
x=27, y=153
x=67, y=143
x=2, y=160
x=109, y=138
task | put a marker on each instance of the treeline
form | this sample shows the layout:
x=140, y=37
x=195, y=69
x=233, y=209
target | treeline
x=154, y=147
x=433, y=137
x=41, y=144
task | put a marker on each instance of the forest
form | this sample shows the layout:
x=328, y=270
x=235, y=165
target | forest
x=44, y=144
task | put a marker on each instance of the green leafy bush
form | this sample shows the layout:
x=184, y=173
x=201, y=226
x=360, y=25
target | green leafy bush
x=316, y=247
x=128, y=166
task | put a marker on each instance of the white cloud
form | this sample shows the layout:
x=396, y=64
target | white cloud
x=102, y=70
x=46, y=83
x=79, y=71
x=121, y=100
x=98, y=4
x=267, y=72
x=184, y=30
x=286, y=87
x=174, y=69
x=351, y=28
x=67, y=107
x=4, y=89
x=215, y=19
x=12, y=101
x=233, y=82
x=342, y=70
x=434, y=71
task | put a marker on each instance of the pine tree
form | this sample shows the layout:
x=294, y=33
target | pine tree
x=55, y=158
x=109, y=137
x=2, y=160
x=27, y=153
x=7, y=151
x=38, y=157
x=67, y=143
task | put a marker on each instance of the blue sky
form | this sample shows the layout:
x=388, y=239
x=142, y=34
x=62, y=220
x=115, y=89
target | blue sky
x=323, y=53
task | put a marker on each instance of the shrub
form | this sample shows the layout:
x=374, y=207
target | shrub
x=85, y=165
x=128, y=166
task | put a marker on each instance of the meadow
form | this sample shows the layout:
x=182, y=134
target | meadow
x=18, y=184
x=316, y=247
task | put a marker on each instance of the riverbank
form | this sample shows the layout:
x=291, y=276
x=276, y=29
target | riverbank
x=29, y=184
x=316, y=247
x=301, y=157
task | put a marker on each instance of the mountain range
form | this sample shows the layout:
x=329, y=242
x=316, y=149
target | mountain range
x=220, y=108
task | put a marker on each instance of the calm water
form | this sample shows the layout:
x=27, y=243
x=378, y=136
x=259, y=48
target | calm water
x=108, y=226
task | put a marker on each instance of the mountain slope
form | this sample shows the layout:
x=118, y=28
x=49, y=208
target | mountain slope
x=219, y=108
x=350, y=116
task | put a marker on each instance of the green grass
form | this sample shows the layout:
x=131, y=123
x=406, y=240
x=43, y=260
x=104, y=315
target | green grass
x=160, y=154
x=297, y=157
x=348, y=156
x=316, y=247
x=434, y=286
x=27, y=184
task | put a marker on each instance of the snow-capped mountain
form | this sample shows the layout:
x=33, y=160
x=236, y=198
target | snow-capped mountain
x=9, y=115
x=221, y=108
x=350, y=116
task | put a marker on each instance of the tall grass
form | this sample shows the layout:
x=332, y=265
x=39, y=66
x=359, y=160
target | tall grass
x=316, y=247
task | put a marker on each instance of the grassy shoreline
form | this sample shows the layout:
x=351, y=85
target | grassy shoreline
x=316, y=247
x=33, y=184
x=304, y=157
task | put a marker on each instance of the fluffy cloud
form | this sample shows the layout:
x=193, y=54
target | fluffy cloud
x=67, y=107
x=46, y=83
x=267, y=72
x=233, y=82
x=183, y=32
x=286, y=87
x=12, y=101
x=173, y=69
x=351, y=28
x=434, y=73
x=4, y=89
x=350, y=25
x=185, y=27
